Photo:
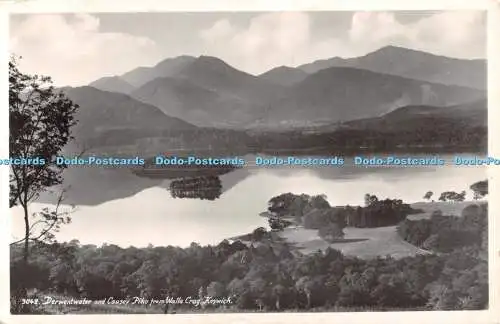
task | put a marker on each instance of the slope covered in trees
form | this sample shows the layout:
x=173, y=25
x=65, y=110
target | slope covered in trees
x=446, y=233
x=269, y=275
x=260, y=278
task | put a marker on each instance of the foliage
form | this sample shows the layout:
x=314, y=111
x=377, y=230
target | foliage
x=203, y=187
x=40, y=121
x=269, y=277
x=377, y=213
x=370, y=199
x=447, y=233
x=452, y=196
x=314, y=212
x=261, y=278
x=480, y=189
x=331, y=232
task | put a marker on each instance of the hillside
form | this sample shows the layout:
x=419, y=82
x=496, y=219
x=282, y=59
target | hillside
x=165, y=68
x=109, y=116
x=341, y=94
x=213, y=73
x=112, y=84
x=284, y=75
x=210, y=93
x=456, y=117
x=115, y=123
x=412, y=64
x=195, y=104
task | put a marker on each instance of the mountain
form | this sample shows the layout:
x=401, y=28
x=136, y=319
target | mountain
x=284, y=75
x=197, y=105
x=165, y=68
x=412, y=64
x=113, y=84
x=214, y=74
x=473, y=114
x=208, y=92
x=409, y=129
x=102, y=114
x=341, y=94
x=127, y=82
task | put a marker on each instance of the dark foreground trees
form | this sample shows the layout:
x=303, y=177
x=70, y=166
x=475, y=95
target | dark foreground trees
x=265, y=277
x=272, y=276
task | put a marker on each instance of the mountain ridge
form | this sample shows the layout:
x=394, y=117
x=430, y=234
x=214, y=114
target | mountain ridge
x=209, y=92
x=437, y=68
x=345, y=93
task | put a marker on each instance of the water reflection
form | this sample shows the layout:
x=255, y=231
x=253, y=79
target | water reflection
x=113, y=199
x=205, y=188
x=94, y=186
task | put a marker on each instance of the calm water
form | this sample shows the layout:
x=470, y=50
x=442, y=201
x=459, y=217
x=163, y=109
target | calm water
x=151, y=215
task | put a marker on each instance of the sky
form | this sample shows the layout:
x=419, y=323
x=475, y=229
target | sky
x=76, y=49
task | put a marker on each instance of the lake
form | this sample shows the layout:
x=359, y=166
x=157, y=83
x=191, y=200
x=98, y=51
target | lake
x=149, y=214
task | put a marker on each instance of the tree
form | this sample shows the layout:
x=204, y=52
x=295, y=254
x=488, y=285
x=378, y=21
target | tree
x=216, y=289
x=40, y=122
x=370, y=199
x=480, y=189
x=306, y=285
x=452, y=196
x=331, y=232
x=278, y=224
x=428, y=195
x=367, y=200
x=278, y=291
x=319, y=202
x=259, y=233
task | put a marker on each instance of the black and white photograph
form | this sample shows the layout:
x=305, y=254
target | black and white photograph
x=248, y=162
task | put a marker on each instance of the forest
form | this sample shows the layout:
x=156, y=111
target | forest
x=269, y=274
x=444, y=233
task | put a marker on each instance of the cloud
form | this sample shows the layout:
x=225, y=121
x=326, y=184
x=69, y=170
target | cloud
x=455, y=33
x=270, y=40
x=275, y=39
x=73, y=51
x=460, y=34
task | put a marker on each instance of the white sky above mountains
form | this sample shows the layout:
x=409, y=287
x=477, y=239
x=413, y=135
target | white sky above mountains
x=77, y=49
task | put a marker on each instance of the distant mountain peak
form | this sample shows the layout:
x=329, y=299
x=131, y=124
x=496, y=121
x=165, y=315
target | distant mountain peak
x=179, y=59
x=112, y=84
x=206, y=66
x=412, y=63
x=404, y=51
x=283, y=67
x=205, y=59
x=284, y=75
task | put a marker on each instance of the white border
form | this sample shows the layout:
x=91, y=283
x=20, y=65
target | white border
x=59, y=6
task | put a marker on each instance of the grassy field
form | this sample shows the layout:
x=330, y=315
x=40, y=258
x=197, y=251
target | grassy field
x=361, y=242
x=371, y=242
